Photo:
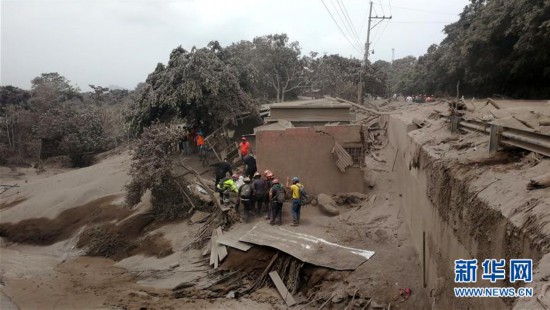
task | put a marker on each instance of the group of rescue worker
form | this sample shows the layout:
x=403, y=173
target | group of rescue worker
x=260, y=194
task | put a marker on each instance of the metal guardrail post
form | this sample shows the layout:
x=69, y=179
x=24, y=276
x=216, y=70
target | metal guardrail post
x=494, y=138
x=455, y=120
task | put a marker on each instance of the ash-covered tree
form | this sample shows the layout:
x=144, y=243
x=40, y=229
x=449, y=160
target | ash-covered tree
x=71, y=130
x=153, y=169
x=52, y=88
x=11, y=95
x=201, y=84
x=337, y=76
x=279, y=64
x=496, y=47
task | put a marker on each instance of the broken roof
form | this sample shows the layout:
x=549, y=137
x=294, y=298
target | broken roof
x=278, y=125
x=315, y=111
x=324, y=103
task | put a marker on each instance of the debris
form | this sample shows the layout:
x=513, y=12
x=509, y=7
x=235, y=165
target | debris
x=539, y=182
x=182, y=286
x=338, y=298
x=493, y=103
x=523, y=122
x=206, y=249
x=285, y=294
x=329, y=299
x=455, y=106
x=349, y=198
x=419, y=122
x=199, y=217
x=5, y=188
x=200, y=189
x=327, y=205
x=174, y=266
x=236, y=244
x=405, y=293
x=376, y=305
x=213, y=250
x=375, y=157
x=307, y=248
x=370, y=180
x=222, y=250
x=343, y=158
x=542, y=296
x=231, y=295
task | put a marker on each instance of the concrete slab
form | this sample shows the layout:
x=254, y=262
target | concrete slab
x=307, y=248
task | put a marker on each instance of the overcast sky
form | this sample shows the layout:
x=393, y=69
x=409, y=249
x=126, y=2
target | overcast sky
x=119, y=42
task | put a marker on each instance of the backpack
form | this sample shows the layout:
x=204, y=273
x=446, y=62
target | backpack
x=281, y=195
x=246, y=191
x=303, y=195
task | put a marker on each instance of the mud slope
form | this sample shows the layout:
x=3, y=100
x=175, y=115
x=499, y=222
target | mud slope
x=47, y=197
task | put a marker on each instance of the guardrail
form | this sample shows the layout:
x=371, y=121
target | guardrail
x=498, y=135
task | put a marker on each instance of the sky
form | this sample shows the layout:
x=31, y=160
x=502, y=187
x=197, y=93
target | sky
x=119, y=42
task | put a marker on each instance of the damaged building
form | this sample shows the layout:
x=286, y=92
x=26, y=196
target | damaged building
x=315, y=140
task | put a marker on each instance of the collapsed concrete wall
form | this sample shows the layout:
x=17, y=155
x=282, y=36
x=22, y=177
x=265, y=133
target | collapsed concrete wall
x=453, y=213
x=306, y=152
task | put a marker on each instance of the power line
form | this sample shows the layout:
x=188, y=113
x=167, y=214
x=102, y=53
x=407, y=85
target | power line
x=346, y=23
x=381, y=33
x=346, y=14
x=417, y=22
x=424, y=11
x=341, y=31
x=381, y=6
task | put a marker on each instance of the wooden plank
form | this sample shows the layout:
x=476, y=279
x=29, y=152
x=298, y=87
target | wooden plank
x=199, y=217
x=207, y=249
x=222, y=250
x=213, y=250
x=285, y=294
x=236, y=244
x=231, y=239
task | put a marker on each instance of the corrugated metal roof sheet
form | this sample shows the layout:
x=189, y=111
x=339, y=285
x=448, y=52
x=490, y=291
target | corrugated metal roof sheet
x=307, y=248
x=343, y=158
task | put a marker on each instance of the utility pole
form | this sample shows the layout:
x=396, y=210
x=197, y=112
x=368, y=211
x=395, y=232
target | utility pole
x=392, y=55
x=367, y=51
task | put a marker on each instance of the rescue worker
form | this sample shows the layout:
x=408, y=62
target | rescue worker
x=200, y=143
x=250, y=163
x=268, y=177
x=227, y=186
x=276, y=204
x=221, y=170
x=260, y=189
x=245, y=196
x=296, y=199
x=244, y=147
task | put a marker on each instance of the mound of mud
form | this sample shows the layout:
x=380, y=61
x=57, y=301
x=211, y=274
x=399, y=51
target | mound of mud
x=45, y=231
x=110, y=241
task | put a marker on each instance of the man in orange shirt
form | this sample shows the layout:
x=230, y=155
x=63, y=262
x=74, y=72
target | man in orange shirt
x=244, y=147
x=200, y=143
